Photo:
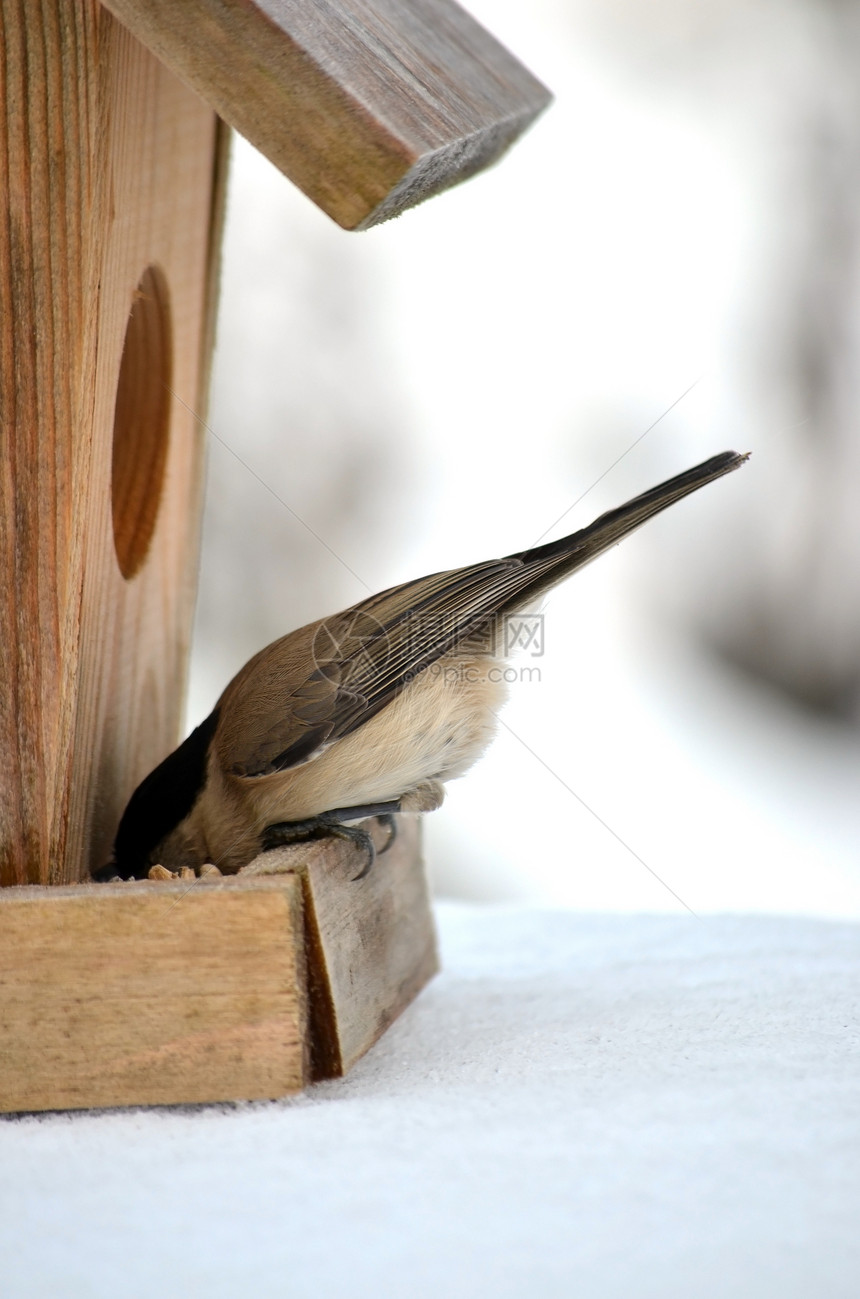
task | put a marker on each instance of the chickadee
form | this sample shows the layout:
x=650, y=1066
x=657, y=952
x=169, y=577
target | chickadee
x=366, y=713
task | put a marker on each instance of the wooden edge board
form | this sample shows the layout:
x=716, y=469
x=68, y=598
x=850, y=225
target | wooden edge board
x=371, y=942
x=142, y=994
x=244, y=987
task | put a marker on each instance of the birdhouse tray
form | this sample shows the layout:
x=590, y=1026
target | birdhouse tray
x=214, y=989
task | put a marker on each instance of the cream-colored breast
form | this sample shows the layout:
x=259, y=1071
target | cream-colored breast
x=434, y=730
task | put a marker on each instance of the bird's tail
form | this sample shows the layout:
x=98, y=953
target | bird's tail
x=556, y=560
x=417, y=623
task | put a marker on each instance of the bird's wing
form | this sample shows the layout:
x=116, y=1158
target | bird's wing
x=349, y=666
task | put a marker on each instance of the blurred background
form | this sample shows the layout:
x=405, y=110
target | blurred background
x=665, y=267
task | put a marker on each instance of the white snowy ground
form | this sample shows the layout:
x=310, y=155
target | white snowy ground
x=599, y=1106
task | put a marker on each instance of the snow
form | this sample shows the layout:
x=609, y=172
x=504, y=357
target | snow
x=599, y=1105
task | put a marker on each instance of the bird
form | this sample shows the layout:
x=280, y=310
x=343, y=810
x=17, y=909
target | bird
x=366, y=713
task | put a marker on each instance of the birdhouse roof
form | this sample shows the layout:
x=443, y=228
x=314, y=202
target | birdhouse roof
x=369, y=106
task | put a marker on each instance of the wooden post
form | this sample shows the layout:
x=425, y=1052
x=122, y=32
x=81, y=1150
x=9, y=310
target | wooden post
x=112, y=172
x=109, y=168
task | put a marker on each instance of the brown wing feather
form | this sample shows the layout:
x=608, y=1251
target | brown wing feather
x=352, y=664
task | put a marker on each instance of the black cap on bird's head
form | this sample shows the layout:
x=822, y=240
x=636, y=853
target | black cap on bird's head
x=158, y=805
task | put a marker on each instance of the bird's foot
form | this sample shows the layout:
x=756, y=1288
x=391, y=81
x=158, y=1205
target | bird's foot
x=332, y=824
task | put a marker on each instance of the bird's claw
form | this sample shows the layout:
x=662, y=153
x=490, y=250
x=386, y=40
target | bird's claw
x=332, y=823
x=363, y=838
x=387, y=819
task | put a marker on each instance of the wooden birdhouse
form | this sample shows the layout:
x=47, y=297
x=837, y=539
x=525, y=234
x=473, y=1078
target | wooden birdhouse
x=114, y=125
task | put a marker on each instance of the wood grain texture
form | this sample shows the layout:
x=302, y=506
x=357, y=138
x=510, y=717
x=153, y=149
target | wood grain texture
x=107, y=166
x=142, y=994
x=232, y=988
x=370, y=106
x=371, y=942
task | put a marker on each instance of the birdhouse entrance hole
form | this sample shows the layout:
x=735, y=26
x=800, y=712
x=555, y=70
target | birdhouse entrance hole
x=141, y=421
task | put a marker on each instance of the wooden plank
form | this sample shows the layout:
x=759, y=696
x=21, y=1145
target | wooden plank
x=144, y=994
x=230, y=988
x=370, y=106
x=377, y=945
x=371, y=942
x=107, y=166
